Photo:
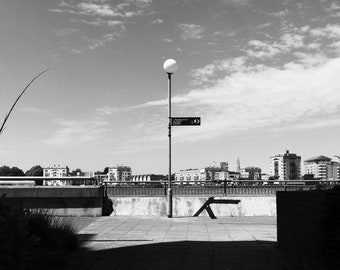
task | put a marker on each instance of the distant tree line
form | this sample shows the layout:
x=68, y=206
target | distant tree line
x=105, y=171
x=36, y=170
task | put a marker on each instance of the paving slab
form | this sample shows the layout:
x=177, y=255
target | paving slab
x=177, y=243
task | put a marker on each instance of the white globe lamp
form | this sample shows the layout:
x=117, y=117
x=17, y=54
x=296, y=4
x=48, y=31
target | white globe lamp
x=170, y=66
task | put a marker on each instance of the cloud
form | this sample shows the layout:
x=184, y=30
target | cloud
x=151, y=104
x=291, y=40
x=95, y=9
x=306, y=59
x=167, y=40
x=313, y=46
x=33, y=109
x=101, y=42
x=76, y=51
x=333, y=9
x=191, y=31
x=65, y=31
x=331, y=31
x=210, y=72
x=295, y=41
x=107, y=23
x=157, y=21
x=128, y=9
x=105, y=10
x=140, y=3
x=264, y=25
x=115, y=28
x=336, y=46
x=261, y=49
x=267, y=49
x=106, y=111
x=243, y=94
x=101, y=13
x=74, y=132
x=236, y=2
x=280, y=14
x=58, y=10
x=296, y=95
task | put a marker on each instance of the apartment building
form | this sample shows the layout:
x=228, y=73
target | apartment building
x=119, y=173
x=285, y=166
x=209, y=173
x=148, y=177
x=56, y=171
x=251, y=173
x=322, y=167
x=189, y=175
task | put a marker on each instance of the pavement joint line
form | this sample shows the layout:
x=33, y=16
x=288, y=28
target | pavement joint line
x=117, y=240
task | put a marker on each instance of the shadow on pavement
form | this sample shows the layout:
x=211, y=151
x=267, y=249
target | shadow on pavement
x=141, y=254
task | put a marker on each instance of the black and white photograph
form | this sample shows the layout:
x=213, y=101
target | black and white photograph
x=170, y=134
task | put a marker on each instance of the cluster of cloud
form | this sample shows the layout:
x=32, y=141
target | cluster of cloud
x=191, y=31
x=237, y=2
x=101, y=42
x=247, y=93
x=102, y=13
x=333, y=9
x=126, y=9
x=251, y=91
x=209, y=73
x=287, y=42
x=308, y=45
x=239, y=94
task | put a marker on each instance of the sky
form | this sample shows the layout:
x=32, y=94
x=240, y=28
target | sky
x=263, y=75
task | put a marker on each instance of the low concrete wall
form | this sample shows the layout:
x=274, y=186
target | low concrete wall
x=188, y=206
x=308, y=228
x=89, y=201
x=63, y=201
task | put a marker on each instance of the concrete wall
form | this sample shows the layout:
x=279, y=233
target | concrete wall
x=89, y=201
x=64, y=201
x=308, y=227
x=188, y=206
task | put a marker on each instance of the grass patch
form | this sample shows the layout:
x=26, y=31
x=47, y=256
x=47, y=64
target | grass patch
x=33, y=240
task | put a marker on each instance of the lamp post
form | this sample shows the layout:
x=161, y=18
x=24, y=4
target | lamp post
x=169, y=66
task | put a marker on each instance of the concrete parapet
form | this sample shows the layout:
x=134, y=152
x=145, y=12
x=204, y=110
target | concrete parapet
x=188, y=206
x=90, y=201
x=51, y=192
x=64, y=201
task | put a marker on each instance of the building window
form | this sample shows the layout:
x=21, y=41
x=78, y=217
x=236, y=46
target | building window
x=276, y=168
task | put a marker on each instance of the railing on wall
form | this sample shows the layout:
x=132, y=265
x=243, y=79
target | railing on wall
x=48, y=181
x=206, y=188
x=180, y=188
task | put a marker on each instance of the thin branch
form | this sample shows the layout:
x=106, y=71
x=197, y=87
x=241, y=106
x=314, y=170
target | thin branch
x=23, y=91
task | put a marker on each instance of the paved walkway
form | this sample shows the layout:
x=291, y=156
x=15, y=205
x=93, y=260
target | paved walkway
x=178, y=243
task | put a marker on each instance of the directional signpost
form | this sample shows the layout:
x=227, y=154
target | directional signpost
x=185, y=121
x=170, y=66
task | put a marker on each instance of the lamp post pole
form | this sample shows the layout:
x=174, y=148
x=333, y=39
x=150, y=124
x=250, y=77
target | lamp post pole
x=169, y=134
x=170, y=66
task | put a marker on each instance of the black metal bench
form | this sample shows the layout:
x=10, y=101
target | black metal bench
x=211, y=200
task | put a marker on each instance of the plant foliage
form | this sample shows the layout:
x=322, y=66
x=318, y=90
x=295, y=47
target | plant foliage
x=33, y=240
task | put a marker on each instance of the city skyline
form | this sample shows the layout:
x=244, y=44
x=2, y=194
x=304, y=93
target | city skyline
x=262, y=75
x=231, y=166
